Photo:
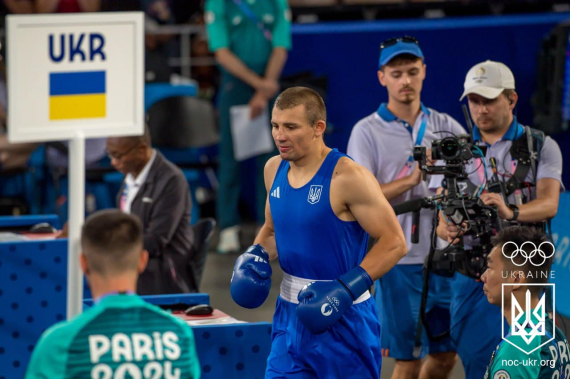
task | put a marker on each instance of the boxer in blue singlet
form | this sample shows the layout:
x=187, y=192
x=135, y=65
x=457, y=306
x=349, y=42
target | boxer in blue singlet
x=321, y=208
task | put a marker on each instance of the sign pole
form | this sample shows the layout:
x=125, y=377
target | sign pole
x=76, y=217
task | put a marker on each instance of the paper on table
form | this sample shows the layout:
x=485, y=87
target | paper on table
x=250, y=137
x=11, y=237
x=215, y=321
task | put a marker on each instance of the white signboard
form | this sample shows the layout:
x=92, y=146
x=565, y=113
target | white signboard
x=75, y=72
x=72, y=77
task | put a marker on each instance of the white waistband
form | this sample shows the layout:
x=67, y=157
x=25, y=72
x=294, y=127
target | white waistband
x=292, y=285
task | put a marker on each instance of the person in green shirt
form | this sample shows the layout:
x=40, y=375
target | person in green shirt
x=519, y=264
x=250, y=40
x=122, y=335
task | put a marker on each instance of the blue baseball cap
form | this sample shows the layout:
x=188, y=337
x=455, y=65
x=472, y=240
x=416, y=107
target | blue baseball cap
x=398, y=46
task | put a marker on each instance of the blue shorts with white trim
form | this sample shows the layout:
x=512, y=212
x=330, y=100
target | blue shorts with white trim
x=349, y=349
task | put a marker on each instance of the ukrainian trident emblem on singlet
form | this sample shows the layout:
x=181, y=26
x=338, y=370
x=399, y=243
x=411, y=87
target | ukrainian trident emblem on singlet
x=315, y=194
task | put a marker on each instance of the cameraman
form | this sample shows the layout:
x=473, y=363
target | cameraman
x=528, y=176
x=383, y=142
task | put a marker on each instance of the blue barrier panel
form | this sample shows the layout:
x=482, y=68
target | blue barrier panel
x=233, y=351
x=33, y=282
x=28, y=220
x=561, y=265
x=226, y=351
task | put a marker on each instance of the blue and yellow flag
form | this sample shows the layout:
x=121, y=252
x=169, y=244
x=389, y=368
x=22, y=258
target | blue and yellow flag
x=74, y=95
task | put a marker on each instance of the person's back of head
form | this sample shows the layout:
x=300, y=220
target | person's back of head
x=122, y=333
x=526, y=257
x=526, y=249
x=112, y=248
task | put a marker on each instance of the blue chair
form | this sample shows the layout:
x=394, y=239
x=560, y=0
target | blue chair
x=99, y=194
x=183, y=127
x=21, y=188
x=203, y=231
x=154, y=92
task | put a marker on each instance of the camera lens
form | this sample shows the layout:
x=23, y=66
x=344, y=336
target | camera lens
x=449, y=148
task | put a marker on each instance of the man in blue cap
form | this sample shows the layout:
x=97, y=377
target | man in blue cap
x=383, y=142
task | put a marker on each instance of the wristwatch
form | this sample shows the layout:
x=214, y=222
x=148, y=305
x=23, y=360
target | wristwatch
x=515, y=209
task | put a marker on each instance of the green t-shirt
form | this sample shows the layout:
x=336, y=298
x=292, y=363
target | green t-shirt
x=546, y=362
x=122, y=336
x=229, y=27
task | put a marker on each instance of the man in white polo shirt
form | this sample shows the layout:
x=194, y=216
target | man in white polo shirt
x=531, y=179
x=383, y=142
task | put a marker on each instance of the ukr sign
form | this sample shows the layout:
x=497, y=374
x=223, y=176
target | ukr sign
x=75, y=72
x=72, y=77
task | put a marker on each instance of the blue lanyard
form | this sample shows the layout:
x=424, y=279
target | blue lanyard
x=253, y=18
x=421, y=131
x=419, y=137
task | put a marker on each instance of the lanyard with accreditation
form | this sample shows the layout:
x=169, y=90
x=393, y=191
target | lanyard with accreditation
x=419, y=138
x=253, y=18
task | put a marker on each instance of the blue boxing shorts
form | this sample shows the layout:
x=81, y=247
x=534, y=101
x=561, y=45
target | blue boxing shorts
x=349, y=349
x=398, y=295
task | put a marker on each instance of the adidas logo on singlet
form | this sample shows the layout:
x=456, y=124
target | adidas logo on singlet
x=275, y=193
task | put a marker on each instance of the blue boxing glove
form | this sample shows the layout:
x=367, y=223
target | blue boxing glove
x=321, y=304
x=251, y=279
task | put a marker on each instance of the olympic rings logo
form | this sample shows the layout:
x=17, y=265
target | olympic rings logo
x=536, y=251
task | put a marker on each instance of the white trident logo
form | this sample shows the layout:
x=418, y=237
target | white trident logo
x=520, y=329
x=314, y=194
x=522, y=324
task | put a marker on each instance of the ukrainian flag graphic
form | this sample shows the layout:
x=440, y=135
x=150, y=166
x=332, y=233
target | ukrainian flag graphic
x=77, y=95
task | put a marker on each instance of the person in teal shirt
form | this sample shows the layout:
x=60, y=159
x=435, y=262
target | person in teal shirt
x=122, y=335
x=521, y=258
x=250, y=39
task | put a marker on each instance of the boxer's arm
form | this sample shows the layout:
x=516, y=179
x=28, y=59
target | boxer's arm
x=363, y=196
x=266, y=236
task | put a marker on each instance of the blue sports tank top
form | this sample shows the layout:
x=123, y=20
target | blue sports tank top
x=312, y=242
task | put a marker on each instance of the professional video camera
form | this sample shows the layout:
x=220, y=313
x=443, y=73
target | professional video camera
x=460, y=204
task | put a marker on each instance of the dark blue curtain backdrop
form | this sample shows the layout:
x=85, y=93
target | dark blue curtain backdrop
x=347, y=54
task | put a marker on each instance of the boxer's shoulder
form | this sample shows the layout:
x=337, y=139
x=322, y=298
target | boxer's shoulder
x=348, y=172
x=270, y=169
